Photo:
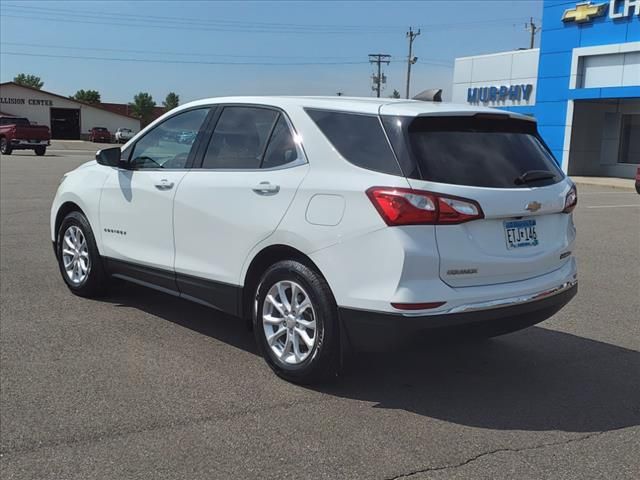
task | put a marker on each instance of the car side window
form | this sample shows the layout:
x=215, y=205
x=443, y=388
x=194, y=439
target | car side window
x=282, y=148
x=239, y=138
x=168, y=145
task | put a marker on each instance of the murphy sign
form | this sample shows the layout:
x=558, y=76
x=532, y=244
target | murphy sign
x=586, y=11
x=500, y=94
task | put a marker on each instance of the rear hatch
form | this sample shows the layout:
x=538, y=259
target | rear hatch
x=501, y=163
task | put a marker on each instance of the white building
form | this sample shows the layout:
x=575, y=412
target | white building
x=505, y=79
x=68, y=119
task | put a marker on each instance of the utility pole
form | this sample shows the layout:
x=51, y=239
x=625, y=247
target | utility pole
x=533, y=29
x=378, y=80
x=411, y=35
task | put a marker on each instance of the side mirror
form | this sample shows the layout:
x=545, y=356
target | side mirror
x=109, y=157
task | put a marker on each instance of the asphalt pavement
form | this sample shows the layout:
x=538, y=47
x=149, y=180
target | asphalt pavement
x=143, y=385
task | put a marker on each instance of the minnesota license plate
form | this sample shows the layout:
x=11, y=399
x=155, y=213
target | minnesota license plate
x=520, y=233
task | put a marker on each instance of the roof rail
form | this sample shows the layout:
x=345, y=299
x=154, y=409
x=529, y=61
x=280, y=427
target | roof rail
x=431, y=95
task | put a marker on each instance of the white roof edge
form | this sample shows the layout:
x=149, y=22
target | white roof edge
x=365, y=105
x=496, y=54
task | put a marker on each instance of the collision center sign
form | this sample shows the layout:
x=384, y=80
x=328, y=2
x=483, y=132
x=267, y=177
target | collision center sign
x=29, y=101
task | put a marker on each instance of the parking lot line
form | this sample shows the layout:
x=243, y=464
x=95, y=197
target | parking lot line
x=612, y=206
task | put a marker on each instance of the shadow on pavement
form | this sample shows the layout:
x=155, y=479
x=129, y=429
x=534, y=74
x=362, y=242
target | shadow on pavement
x=537, y=379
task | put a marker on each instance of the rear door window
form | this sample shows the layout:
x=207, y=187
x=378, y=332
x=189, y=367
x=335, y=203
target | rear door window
x=359, y=138
x=282, y=148
x=493, y=151
x=239, y=138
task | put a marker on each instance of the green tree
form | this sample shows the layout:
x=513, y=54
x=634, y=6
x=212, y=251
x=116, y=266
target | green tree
x=171, y=101
x=87, y=96
x=142, y=107
x=395, y=94
x=28, y=80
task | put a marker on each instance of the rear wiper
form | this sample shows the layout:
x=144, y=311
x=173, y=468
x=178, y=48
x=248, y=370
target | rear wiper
x=534, y=176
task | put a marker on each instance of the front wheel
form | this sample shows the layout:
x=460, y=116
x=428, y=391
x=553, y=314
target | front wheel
x=40, y=151
x=295, y=322
x=78, y=258
x=5, y=148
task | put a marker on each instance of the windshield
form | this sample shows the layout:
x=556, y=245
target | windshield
x=483, y=151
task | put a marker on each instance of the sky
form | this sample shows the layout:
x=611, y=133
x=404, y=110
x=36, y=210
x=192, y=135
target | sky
x=204, y=49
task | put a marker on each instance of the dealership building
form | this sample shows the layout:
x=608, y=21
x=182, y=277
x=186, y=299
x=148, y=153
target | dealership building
x=67, y=119
x=582, y=84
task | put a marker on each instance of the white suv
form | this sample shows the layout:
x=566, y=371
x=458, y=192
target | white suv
x=329, y=222
x=123, y=135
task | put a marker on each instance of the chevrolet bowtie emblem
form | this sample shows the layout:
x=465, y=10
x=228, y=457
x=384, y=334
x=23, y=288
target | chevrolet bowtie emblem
x=584, y=12
x=533, y=206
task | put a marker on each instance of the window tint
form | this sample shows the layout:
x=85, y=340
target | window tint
x=282, y=148
x=481, y=151
x=240, y=137
x=168, y=145
x=359, y=139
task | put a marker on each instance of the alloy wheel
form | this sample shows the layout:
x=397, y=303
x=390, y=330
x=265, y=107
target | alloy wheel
x=289, y=322
x=75, y=255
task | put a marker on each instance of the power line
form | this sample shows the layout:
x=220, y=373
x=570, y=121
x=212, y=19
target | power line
x=244, y=24
x=157, y=52
x=330, y=59
x=191, y=27
x=98, y=18
x=189, y=62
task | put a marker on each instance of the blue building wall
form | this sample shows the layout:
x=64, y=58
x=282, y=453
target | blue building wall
x=558, y=39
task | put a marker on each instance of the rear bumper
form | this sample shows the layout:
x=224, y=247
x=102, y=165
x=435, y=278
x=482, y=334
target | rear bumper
x=377, y=331
x=17, y=144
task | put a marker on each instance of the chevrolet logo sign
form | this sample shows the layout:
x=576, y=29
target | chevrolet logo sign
x=584, y=12
x=533, y=206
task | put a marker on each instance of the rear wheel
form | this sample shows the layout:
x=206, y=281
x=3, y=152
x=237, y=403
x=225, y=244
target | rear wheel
x=78, y=258
x=295, y=323
x=40, y=151
x=5, y=148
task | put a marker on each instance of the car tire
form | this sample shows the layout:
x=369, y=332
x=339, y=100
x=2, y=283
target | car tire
x=306, y=346
x=40, y=151
x=5, y=148
x=78, y=257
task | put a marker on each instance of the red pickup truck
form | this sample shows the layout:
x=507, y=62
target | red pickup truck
x=16, y=133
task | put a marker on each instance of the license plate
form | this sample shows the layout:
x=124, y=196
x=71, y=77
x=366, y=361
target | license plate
x=520, y=233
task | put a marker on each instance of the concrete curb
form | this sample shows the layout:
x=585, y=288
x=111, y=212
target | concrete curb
x=617, y=183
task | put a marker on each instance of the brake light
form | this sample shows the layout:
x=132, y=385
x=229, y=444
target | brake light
x=405, y=206
x=571, y=200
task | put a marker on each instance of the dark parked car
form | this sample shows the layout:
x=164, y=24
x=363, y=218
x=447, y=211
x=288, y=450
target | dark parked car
x=99, y=134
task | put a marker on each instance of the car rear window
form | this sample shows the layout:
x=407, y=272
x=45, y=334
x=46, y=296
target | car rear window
x=359, y=138
x=22, y=122
x=483, y=150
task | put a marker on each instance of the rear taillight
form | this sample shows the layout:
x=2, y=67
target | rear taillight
x=405, y=206
x=571, y=200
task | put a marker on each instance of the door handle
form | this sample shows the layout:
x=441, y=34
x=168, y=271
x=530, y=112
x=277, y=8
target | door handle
x=164, y=185
x=266, y=188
